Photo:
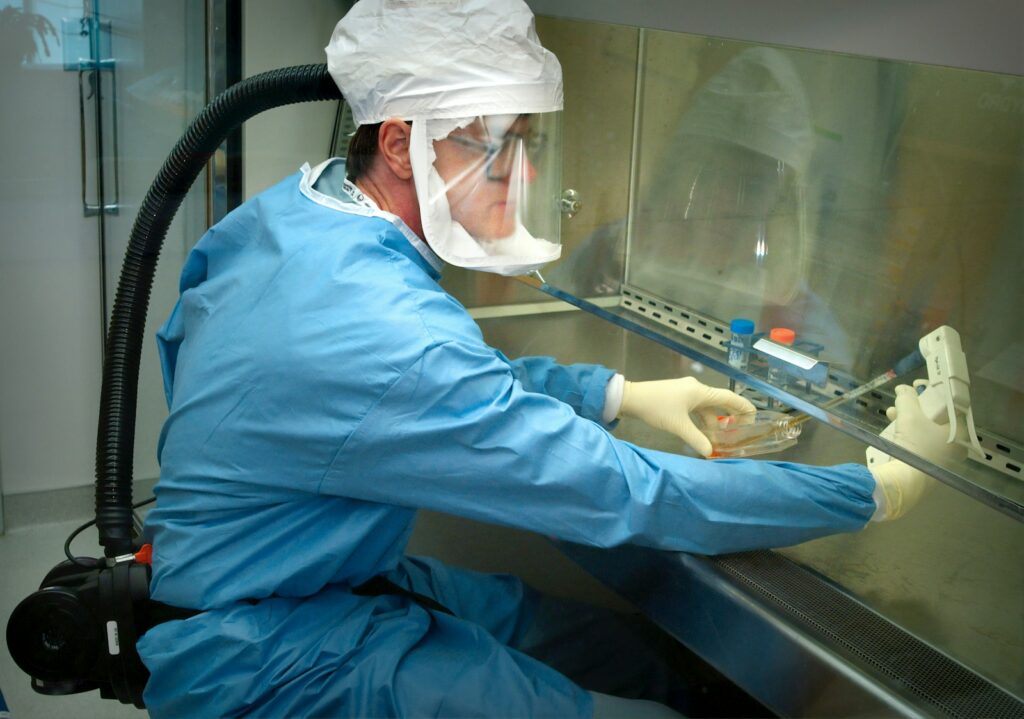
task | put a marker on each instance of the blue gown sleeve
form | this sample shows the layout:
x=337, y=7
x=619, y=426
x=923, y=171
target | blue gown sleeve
x=581, y=386
x=458, y=433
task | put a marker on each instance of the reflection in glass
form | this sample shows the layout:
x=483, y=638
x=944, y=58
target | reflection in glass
x=861, y=202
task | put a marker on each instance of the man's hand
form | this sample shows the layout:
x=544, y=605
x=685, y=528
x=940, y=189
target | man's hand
x=666, y=404
x=899, y=486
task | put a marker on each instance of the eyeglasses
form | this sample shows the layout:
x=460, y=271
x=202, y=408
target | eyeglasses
x=500, y=156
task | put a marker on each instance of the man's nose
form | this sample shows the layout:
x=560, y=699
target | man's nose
x=524, y=166
x=530, y=172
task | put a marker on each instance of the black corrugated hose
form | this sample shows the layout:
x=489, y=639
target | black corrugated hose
x=116, y=432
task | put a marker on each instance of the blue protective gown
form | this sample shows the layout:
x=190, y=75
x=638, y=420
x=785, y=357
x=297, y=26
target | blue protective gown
x=322, y=387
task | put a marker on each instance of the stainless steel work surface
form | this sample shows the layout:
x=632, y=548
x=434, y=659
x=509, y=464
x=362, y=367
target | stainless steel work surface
x=950, y=573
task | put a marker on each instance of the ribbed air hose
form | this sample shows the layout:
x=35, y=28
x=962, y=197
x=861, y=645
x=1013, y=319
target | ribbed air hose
x=116, y=432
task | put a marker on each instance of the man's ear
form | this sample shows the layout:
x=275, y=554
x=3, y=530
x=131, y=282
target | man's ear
x=393, y=146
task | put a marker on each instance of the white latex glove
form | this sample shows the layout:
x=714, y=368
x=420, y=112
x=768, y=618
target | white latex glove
x=898, y=486
x=666, y=404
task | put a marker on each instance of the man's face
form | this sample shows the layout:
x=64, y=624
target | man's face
x=486, y=171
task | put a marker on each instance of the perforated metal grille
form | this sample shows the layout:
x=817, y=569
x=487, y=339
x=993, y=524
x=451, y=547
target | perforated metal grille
x=1001, y=454
x=869, y=639
x=688, y=322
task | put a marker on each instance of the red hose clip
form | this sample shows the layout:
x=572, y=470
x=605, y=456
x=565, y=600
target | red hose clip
x=145, y=555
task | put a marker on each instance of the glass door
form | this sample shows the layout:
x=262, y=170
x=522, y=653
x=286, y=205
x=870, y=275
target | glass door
x=96, y=93
x=159, y=85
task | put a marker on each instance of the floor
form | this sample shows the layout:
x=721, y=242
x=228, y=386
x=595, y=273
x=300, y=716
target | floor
x=26, y=555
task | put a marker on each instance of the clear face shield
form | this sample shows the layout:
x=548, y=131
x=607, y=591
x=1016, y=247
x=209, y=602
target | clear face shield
x=488, y=189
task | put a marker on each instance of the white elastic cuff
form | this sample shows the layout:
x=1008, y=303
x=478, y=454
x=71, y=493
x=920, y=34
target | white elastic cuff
x=881, y=510
x=613, y=398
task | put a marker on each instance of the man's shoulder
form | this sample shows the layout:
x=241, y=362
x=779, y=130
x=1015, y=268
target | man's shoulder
x=442, y=316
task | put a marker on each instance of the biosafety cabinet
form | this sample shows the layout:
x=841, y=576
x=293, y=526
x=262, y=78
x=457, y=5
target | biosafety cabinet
x=862, y=203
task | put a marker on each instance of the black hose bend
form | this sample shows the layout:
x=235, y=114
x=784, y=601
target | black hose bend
x=116, y=432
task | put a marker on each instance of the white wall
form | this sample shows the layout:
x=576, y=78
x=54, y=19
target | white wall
x=278, y=34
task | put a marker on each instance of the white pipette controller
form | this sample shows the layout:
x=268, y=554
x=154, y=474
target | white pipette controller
x=946, y=395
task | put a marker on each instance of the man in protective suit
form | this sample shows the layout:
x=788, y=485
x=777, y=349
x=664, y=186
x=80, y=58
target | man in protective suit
x=322, y=387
